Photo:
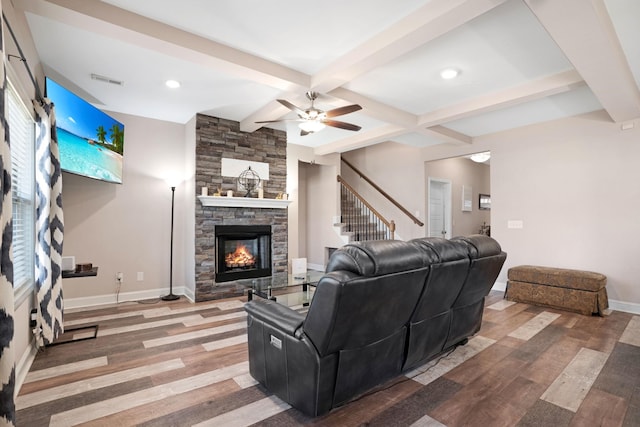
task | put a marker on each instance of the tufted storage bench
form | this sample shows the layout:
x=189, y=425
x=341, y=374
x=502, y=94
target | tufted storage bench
x=573, y=290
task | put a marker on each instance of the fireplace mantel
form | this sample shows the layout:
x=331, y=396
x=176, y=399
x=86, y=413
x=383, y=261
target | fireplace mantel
x=243, y=202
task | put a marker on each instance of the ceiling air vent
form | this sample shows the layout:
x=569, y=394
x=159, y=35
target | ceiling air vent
x=107, y=79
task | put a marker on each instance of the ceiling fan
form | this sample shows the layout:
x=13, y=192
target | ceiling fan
x=313, y=119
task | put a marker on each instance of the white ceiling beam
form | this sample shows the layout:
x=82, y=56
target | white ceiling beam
x=114, y=22
x=432, y=20
x=537, y=89
x=448, y=135
x=582, y=29
x=376, y=109
x=430, y=123
x=361, y=139
x=272, y=109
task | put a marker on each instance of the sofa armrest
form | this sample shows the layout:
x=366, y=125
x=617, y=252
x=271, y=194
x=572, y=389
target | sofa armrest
x=276, y=315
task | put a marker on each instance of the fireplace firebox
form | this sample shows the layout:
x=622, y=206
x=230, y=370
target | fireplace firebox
x=242, y=252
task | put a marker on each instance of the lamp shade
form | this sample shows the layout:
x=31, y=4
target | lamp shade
x=311, y=126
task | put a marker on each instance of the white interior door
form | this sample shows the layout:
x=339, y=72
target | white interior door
x=439, y=212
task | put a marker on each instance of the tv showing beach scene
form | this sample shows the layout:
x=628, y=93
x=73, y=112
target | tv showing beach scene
x=91, y=143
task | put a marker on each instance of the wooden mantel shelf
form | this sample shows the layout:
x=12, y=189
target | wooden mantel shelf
x=243, y=202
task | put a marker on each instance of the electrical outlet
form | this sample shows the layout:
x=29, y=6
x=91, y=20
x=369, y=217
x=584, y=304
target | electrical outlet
x=140, y=277
x=119, y=277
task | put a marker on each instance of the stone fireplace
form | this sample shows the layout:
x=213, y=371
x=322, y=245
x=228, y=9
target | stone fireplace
x=242, y=252
x=217, y=139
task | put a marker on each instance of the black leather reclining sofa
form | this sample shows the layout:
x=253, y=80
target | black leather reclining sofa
x=381, y=308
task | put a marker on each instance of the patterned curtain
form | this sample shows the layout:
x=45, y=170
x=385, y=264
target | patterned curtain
x=49, y=226
x=7, y=357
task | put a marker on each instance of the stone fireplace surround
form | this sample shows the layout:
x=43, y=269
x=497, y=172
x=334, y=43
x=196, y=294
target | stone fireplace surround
x=216, y=139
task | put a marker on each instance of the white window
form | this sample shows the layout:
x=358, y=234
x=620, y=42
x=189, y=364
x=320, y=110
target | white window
x=21, y=138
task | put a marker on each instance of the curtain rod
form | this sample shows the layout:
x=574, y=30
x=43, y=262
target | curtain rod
x=22, y=58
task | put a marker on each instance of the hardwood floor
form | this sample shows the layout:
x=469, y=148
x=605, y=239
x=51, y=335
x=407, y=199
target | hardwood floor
x=181, y=364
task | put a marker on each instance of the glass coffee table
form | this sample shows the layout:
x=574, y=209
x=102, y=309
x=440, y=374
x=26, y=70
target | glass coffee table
x=286, y=289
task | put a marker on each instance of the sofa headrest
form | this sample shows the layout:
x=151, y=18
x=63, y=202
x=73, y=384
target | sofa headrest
x=479, y=245
x=442, y=249
x=377, y=257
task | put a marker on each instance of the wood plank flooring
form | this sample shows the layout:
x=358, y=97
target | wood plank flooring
x=183, y=364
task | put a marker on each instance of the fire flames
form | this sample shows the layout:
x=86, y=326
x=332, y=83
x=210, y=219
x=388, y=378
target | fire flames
x=241, y=257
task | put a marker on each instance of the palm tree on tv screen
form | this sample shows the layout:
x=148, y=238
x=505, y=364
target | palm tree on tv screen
x=117, y=138
x=101, y=133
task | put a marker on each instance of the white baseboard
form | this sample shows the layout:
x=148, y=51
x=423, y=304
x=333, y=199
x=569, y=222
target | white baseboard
x=315, y=267
x=24, y=364
x=71, y=303
x=627, y=307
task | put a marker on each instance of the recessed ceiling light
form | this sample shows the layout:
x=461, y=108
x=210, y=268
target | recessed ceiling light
x=173, y=84
x=449, y=73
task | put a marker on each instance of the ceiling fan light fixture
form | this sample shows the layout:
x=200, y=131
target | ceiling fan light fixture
x=449, y=73
x=311, y=126
x=480, y=157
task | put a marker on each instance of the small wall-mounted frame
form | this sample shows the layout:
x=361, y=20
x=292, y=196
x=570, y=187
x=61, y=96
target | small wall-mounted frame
x=484, y=202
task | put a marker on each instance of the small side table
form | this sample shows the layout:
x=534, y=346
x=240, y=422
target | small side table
x=70, y=275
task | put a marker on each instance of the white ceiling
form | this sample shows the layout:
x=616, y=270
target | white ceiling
x=520, y=61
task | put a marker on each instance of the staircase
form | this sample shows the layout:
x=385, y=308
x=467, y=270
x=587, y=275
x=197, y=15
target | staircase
x=359, y=221
x=357, y=224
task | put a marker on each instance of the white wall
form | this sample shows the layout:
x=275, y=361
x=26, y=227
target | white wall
x=313, y=189
x=321, y=208
x=187, y=249
x=296, y=154
x=574, y=185
x=301, y=197
x=126, y=228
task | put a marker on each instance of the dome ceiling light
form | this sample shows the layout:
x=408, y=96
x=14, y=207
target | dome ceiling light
x=449, y=73
x=480, y=157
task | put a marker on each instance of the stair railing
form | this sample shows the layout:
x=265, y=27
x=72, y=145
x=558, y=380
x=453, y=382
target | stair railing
x=384, y=193
x=360, y=218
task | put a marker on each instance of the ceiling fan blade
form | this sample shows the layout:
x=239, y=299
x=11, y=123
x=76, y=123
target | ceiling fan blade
x=280, y=120
x=341, y=125
x=299, y=111
x=343, y=110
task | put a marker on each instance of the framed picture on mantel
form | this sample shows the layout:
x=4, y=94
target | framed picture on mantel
x=484, y=202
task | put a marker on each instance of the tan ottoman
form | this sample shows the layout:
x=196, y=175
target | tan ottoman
x=574, y=290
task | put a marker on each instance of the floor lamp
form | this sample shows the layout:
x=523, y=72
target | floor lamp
x=171, y=296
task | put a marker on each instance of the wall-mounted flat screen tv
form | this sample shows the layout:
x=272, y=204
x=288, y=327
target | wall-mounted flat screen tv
x=91, y=142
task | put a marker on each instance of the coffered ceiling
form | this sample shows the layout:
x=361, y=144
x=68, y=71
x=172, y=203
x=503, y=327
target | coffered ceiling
x=520, y=62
